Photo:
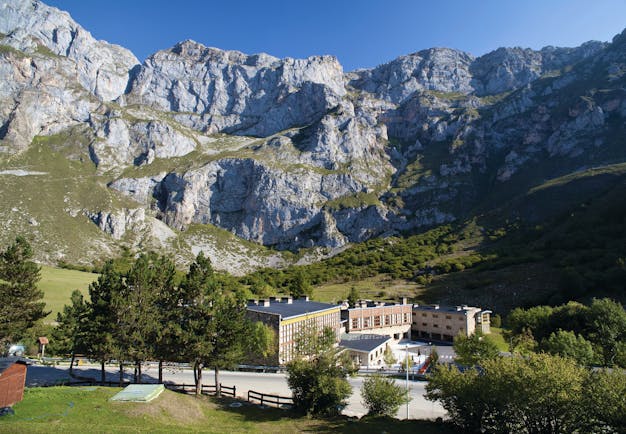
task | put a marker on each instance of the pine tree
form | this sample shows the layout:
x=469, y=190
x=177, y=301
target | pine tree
x=353, y=296
x=216, y=332
x=300, y=285
x=71, y=332
x=102, y=317
x=137, y=310
x=21, y=302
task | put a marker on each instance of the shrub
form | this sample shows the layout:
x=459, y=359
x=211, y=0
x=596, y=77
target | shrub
x=382, y=396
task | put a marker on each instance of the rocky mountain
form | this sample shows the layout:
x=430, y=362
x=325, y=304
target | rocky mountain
x=199, y=148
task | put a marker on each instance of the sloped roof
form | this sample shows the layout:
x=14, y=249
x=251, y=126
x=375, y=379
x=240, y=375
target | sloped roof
x=295, y=308
x=362, y=343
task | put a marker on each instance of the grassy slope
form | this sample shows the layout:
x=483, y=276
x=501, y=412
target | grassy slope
x=380, y=287
x=49, y=206
x=562, y=240
x=58, y=284
x=86, y=409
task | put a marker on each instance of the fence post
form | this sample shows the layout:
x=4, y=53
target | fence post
x=235, y=391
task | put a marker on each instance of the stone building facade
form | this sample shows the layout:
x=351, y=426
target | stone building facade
x=444, y=323
x=379, y=318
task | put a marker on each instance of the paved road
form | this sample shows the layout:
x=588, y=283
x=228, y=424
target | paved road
x=419, y=407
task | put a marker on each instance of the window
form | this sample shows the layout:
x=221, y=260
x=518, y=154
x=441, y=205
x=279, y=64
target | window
x=424, y=315
x=355, y=323
x=377, y=321
x=435, y=315
x=448, y=327
x=387, y=320
x=448, y=317
x=435, y=325
x=366, y=322
x=406, y=317
x=424, y=324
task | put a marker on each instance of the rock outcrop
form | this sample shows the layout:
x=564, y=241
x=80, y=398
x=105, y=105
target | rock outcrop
x=212, y=90
x=102, y=68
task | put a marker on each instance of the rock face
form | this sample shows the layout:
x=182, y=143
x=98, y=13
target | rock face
x=35, y=98
x=214, y=90
x=103, y=69
x=296, y=153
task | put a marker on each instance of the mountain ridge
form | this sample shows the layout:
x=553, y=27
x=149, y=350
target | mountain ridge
x=292, y=153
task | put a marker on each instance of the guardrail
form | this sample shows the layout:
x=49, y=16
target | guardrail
x=276, y=400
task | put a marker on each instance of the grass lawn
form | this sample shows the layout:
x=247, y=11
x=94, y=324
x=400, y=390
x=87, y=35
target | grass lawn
x=497, y=337
x=58, y=284
x=87, y=409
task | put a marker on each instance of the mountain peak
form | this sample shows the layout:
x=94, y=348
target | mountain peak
x=103, y=68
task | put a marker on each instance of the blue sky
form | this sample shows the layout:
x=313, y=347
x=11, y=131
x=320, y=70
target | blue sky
x=361, y=33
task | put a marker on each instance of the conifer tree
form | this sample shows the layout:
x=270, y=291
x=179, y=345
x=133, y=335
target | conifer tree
x=71, y=332
x=21, y=302
x=102, y=317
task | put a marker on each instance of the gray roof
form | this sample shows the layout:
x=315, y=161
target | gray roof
x=296, y=308
x=6, y=362
x=364, y=343
x=452, y=309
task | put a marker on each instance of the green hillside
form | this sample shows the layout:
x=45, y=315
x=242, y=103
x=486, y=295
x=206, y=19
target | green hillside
x=58, y=284
x=564, y=239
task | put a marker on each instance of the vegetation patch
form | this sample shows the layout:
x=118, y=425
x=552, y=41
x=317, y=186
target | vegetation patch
x=57, y=285
x=76, y=409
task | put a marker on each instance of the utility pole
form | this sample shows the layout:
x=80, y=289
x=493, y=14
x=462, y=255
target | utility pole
x=407, y=381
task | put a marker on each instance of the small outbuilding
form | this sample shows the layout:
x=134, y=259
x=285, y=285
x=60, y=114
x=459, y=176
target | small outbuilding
x=12, y=380
x=365, y=350
x=42, y=341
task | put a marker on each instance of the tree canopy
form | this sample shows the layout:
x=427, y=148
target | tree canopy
x=318, y=376
x=474, y=349
x=21, y=306
x=539, y=393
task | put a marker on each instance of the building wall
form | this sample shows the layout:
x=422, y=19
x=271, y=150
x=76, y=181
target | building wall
x=287, y=330
x=12, y=384
x=444, y=324
x=372, y=358
x=291, y=328
x=390, y=320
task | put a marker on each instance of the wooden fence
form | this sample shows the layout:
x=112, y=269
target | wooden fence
x=207, y=389
x=276, y=400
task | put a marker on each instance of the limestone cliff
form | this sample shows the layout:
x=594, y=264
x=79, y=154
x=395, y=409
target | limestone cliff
x=198, y=144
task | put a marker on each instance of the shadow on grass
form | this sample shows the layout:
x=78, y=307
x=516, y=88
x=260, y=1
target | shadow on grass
x=336, y=424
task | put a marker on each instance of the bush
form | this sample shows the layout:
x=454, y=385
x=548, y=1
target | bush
x=318, y=376
x=496, y=321
x=382, y=396
x=538, y=393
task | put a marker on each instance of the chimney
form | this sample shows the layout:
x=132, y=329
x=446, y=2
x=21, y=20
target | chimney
x=404, y=300
x=304, y=298
x=459, y=308
x=435, y=306
x=264, y=303
x=287, y=300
